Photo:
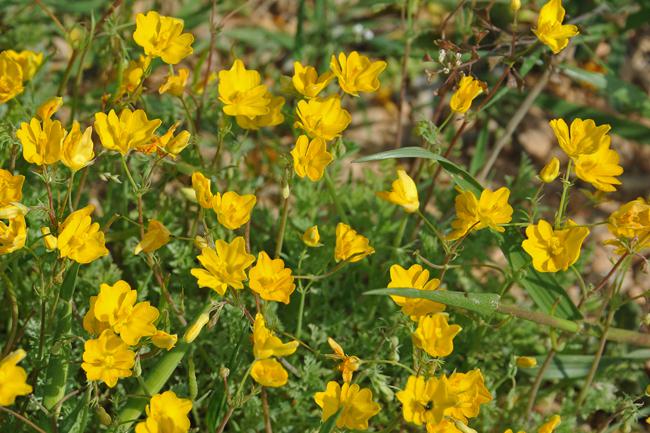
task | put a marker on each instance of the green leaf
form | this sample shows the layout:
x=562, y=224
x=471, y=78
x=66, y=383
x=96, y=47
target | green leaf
x=460, y=176
x=578, y=366
x=543, y=288
x=481, y=303
x=330, y=423
x=77, y=420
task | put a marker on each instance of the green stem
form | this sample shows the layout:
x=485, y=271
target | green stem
x=566, y=185
x=125, y=166
x=435, y=231
x=279, y=240
x=335, y=198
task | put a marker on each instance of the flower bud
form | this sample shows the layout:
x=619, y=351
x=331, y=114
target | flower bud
x=103, y=416
x=50, y=241
x=550, y=171
x=515, y=5
x=526, y=362
x=195, y=329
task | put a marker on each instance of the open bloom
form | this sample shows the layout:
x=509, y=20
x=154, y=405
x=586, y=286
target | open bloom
x=171, y=144
x=550, y=29
x=11, y=192
x=201, y=186
x=233, y=210
x=47, y=109
x=266, y=344
x=175, y=84
x=554, y=250
x=550, y=425
x=164, y=340
x=11, y=78
x=13, y=379
x=77, y=149
x=129, y=131
x=80, y=239
x=470, y=392
x=600, y=168
x=356, y=73
x=224, y=266
x=166, y=413
x=550, y=171
x=349, y=364
x=41, y=141
x=490, y=210
x=163, y=37
x=424, y=401
x=269, y=372
x=434, y=335
x=354, y=403
x=630, y=224
x=468, y=89
x=310, y=158
x=271, y=280
x=13, y=235
x=350, y=245
x=91, y=324
x=133, y=75
x=584, y=137
x=272, y=118
x=156, y=237
x=29, y=62
x=107, y=359
x=242, y=93
x=311, y=237
x=307, y=81
x=404, y=193
x=116, y=305
x=322, y=117
x=414, y=277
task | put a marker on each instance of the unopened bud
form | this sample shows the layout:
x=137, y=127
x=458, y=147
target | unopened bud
x=526, y=362
x=195, y=329
x=550, y=171
x=515, y=5
x=286, y=191
x=103, y=416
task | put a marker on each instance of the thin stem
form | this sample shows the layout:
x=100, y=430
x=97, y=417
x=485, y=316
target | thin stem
x=335, y=198
x=283, y=226
x=125, y=166
x=267, y=412
x=22, y=418
x=538, y=381
x=9, y=287
x=596, y=362
x=435, y=231
x=566, y=186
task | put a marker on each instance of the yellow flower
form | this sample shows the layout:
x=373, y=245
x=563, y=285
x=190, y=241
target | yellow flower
x=77, y=149
x=130, y=131
x=163, y=340
x=225, y=265
x=310, y=158
x=356, y=73
x=195, y=329
x=550, y=171
x=550, y=30
x=470, y=392
x=425, y=401
x=435, y=336
x=166, y=413
x=553, y=250
x=163, y=37
x=600, y=168
x=116, y=305
x=201, y=186
x=583, y=138
x=266, y=344
x=348, y=365
x=175, y=84
x=233, y=210
x=49, y=240
x=107, y=359
x=242, y=92
x=134, y=74
x=13, y=379
x=29, y=62
x=526, y=362
x=171, y=144
x=41, y=142
x=414, y=277
x=156, y=237
x=468, y=89
x=307, y=81
x=631, y=222
x=404, y=193
x=272, y=118
x=269, y=372
x=490, y=210
x=355, y=404
x=311, y=237
x=91, y=324
x=11, y=78
x=350, y=245
x=80, y=239
x=270, y=279
x=550, y=425
x=13, y=235
x=11, y=192
x=515, y=5
x=322, y=117
x=47, y=109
